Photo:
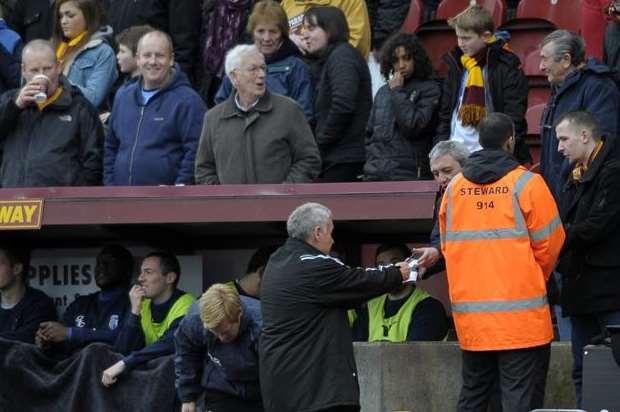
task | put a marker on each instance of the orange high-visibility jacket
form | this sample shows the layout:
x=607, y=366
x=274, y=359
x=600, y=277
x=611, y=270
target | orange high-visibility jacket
x=500, y=241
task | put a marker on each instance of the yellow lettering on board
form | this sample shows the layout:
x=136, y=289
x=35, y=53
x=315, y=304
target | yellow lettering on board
x=18, y=215
x=5, y=213
x=30, y=212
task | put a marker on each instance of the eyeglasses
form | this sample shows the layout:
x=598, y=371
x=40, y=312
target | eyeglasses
x=254, y=69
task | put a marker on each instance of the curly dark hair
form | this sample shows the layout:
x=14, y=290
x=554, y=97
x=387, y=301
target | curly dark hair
x=422, y=67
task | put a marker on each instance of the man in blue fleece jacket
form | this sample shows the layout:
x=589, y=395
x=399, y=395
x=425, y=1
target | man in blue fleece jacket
x=155, y=122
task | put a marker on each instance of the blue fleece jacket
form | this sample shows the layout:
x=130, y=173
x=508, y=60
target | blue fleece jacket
x=153, y=143
x=203, y=362
x=590, y=88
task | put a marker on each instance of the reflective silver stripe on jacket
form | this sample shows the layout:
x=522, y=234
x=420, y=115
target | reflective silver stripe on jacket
x=500, y=306
x=520, y=229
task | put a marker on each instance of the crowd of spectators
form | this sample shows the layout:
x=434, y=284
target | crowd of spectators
x=177, y=60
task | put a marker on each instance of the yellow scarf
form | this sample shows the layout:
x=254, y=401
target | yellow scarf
x=63, y=47
x=51, y=99
x=582, y=168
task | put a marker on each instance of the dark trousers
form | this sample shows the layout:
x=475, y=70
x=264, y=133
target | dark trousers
x=583, y=329
x=343, y=172
x=521, y=373
x=228, y=404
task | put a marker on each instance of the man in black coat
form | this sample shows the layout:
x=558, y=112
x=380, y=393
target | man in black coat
x=589, y=207
x=22, y=308
x=55, y=141
x=305, y=351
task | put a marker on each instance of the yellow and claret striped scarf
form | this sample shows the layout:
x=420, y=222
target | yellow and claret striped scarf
x=51, y=99
x=473, y=105
x=64, y=47
x=582, y=168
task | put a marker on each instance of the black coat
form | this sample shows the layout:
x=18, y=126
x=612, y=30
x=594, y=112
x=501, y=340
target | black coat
x=59, y=146
x=400, y=131
x=507, y=87
x=22, y=322
x=386, y=18
x=179, y=18
x=342, y=106
x=305, y=352
x=32, y=19
x=590, y=262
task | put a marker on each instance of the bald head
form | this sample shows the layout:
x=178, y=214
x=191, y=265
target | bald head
x=159, y=36
x=40, y=47
x=39, y=58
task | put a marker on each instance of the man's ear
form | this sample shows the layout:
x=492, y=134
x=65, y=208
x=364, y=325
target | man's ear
x=18, y=268
x=171, y=277
x=486, y=35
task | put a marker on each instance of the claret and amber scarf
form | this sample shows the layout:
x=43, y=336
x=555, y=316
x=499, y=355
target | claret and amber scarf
x=473, y=102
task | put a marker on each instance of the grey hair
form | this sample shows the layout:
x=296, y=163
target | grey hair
x=305, y=218
x=457, y=150
x=236, y=54
x=564, y=42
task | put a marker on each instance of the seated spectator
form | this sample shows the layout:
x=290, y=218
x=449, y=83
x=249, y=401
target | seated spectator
x=287, y=74
x=406, y=314
x=99, y=316
x=85, y=57
x=249, y=283
x=343, y=96
x=157, y=307
x=155, y=122
x=217, y=352
x=483, y=76
x=22, y=308
x=354, y=11
x=127, y=54
x=51, y=115
x=10, y=57
x=255, y=136
x=404, y=114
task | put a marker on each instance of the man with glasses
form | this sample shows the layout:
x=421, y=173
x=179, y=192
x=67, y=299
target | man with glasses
x=155, y=122
x=255, y=136
x=577, y=84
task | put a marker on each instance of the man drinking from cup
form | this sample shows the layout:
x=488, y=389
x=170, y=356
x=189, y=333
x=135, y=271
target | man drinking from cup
x=51, y=135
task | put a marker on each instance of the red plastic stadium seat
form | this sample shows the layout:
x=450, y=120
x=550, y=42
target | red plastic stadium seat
x=533, y=115
x=526, y=35
x=450, y=8
x=564, y=14
x=438, y=38
x=531, y=65
x=414, y=17
x=538, y=95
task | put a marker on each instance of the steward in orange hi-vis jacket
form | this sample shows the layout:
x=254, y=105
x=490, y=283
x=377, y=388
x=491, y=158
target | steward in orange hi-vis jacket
x=500, y=235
